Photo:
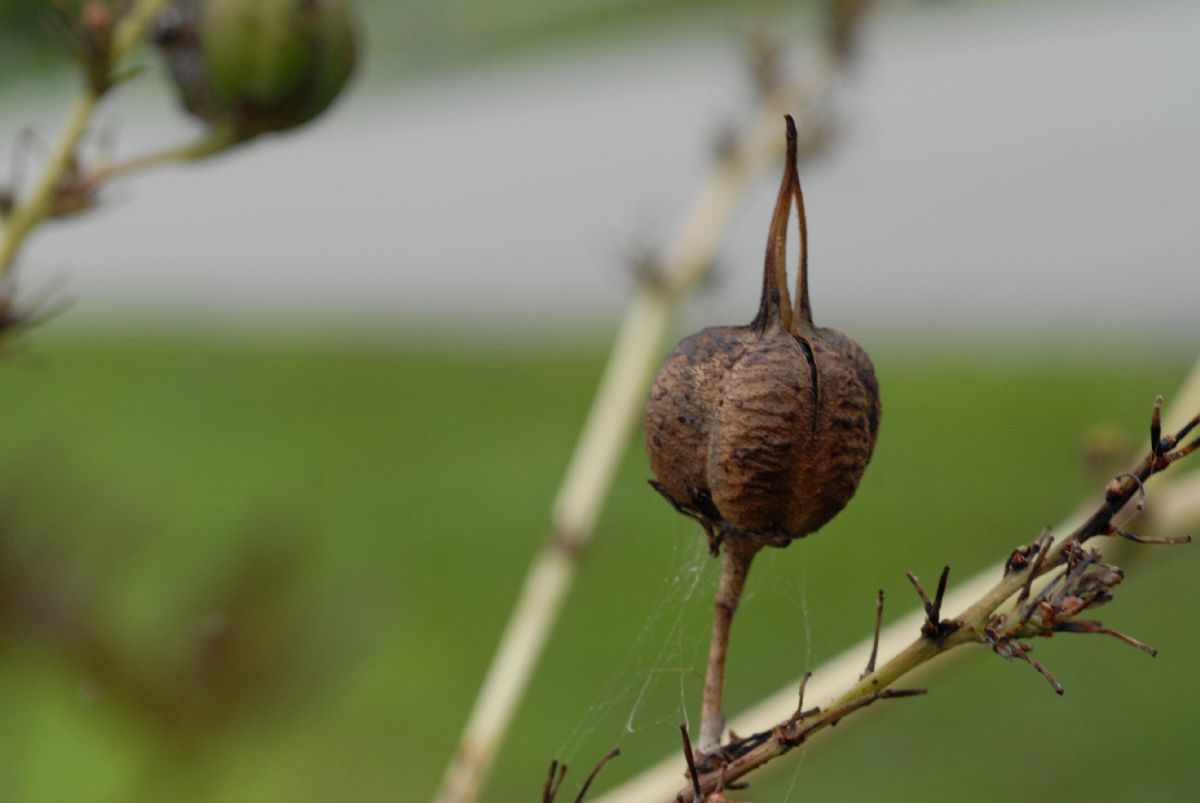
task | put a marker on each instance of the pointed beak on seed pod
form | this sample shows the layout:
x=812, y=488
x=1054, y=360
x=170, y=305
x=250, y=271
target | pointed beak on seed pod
x=255, y=66
x=762, y=432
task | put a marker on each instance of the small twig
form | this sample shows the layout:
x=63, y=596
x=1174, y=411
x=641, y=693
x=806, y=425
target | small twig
x=800, y=696
x=934, y=627
x=874, y=641
x=552, y=784
x=926, y=603
x=941, y=594
x=690, y=757
x=1043, y=544
x=1041, y=668
x=1156, y=444
x=1091, y=626
x=607, y=757
x=1146, y=539
x=213, y=142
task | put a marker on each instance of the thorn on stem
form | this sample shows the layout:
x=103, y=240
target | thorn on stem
x=690, y=757
x=934, y=627
x=1171, y=441
x=550, y=787
x=1156, y=444
x=1146, y=539
x=925, y=602
x=1042, y=543
x=1187, y=428
x=1160, y=446
x=800, y=703
x=1041, y=668
x=941, y=592
x=875, y=641
x=1092, y=626
x=1187, y=450
x=607, y=757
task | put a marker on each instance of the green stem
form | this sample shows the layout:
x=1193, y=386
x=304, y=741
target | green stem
x=132, y=28
x=34, y=208
x=214, y=142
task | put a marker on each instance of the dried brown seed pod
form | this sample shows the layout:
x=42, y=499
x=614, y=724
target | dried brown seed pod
x=762, y=432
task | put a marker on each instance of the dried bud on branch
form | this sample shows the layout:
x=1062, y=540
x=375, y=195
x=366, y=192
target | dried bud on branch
x=87, y=30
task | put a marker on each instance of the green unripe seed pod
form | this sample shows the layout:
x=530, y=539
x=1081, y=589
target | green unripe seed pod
x=256, y=66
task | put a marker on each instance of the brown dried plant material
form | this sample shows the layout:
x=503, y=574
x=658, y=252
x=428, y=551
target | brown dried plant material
x=761, y=432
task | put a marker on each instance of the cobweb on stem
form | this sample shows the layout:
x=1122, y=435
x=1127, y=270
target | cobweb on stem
x=662, y=648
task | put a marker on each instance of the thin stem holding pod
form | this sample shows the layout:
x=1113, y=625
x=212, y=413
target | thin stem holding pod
x=735, y=565
x=215, y=141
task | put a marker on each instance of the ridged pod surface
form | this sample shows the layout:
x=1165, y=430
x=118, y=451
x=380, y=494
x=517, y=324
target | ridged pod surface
x=763, y=431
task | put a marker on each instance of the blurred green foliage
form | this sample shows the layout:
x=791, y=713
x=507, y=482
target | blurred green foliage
x=24, y=39
x=274, y=568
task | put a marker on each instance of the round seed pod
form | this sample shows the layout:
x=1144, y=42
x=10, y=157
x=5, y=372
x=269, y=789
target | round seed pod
x=256, y=66
x=762, y=432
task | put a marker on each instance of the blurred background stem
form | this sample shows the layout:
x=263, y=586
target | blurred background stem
x=215, y=141
x=34, y=208
x=617, y=406
x=614, y=415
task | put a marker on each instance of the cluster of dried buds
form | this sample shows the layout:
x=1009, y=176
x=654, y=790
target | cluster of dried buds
x=87, y=29
x=1086, y=582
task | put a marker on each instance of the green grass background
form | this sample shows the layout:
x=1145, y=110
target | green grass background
x=410, y=478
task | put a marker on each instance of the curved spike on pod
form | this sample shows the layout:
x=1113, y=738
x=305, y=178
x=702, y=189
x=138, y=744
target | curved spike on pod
x=803, y=315
x=775, y=307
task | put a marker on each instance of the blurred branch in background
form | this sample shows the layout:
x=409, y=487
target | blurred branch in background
x=1172, y=508
x=640, y=342
x=243, y=68
x=248, y=644
x=103, y=41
